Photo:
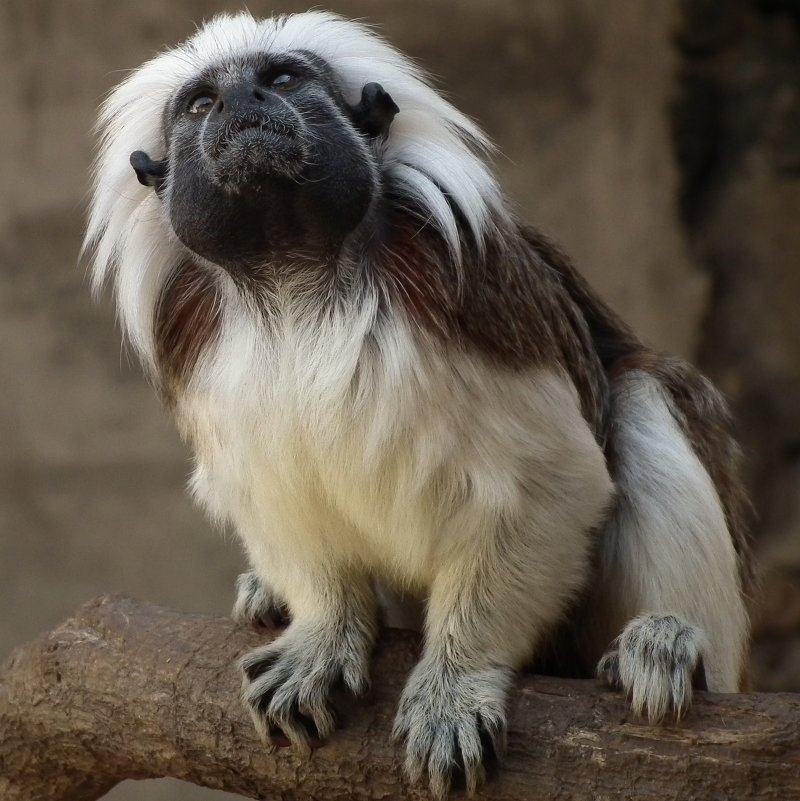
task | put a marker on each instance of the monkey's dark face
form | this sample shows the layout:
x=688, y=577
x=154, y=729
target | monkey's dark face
x=266, y=160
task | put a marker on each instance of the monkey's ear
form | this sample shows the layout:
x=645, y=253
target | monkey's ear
x=375, y=111
x=149, y=172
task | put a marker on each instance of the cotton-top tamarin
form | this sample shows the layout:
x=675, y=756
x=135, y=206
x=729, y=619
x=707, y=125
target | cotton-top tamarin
x=394, y=389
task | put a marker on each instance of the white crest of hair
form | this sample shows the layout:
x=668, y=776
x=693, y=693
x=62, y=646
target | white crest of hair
x=433, y=153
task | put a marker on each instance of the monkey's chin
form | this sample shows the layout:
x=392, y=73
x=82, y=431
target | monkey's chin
x=252, y=158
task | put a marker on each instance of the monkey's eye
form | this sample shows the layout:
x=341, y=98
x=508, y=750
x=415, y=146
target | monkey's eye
x=284, y=81
x=201, y=104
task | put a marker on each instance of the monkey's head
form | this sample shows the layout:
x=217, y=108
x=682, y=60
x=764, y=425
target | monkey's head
x=280, y=143
x=265, y=157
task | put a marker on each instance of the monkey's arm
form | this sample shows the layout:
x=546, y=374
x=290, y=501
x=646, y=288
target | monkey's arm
x=508, y=562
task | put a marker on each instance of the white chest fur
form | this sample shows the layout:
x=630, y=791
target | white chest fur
x=357, y=440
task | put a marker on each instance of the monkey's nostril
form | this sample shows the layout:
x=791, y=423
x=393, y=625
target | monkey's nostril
x=259, y=95
x=220, y=105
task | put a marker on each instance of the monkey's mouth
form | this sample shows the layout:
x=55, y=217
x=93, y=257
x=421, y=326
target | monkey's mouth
x=245, y=130
x=249, y=151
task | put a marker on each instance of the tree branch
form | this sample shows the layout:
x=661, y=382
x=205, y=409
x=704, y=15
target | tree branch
x=131, y=690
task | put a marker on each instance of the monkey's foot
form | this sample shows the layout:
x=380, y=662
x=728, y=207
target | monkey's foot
x=453, y=722
x=288, y=682
x=656, y=661
x=257, y=603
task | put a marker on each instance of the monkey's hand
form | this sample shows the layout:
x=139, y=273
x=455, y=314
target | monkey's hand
x=257, y=603
x=453, y=720
x=287, y=683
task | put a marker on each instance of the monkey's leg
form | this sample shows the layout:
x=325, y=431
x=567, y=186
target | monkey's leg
x=668, y=589
x=287, y=682
x=257, y=602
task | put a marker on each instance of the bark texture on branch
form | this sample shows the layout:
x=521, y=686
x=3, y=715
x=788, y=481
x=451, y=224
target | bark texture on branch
x=131, y=690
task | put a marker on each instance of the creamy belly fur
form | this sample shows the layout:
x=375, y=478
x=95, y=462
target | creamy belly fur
x=363, y=444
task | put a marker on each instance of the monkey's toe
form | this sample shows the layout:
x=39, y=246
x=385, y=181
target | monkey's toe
x=608, y=669
x=657, y=661
x=257, y=604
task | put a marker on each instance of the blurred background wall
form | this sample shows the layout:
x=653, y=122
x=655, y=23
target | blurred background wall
x=658, y=142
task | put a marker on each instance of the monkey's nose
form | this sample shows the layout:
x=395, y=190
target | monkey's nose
x=240, y=98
